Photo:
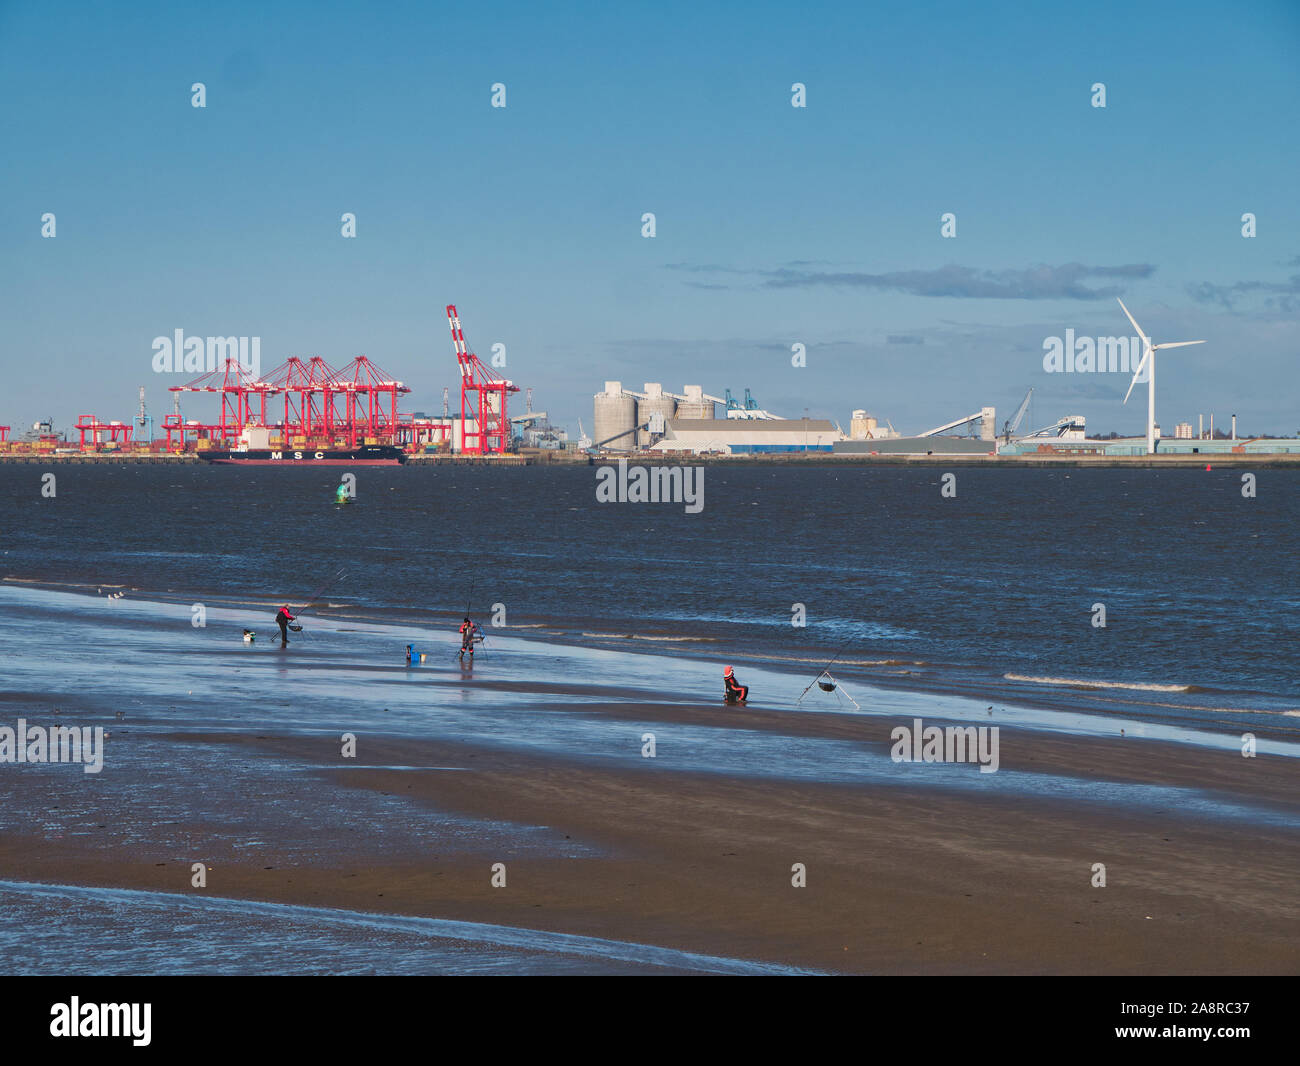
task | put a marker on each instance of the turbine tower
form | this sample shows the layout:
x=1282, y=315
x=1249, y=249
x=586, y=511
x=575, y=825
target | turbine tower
x=1149, y=357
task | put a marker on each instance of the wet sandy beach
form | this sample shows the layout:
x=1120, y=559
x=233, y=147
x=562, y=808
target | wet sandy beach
x=230, y=755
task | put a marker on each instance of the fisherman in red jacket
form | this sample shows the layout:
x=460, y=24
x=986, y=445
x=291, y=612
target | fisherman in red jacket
x=282, y=618
x=736, y=692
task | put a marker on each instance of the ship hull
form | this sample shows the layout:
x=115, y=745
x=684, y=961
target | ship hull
x=362, y=455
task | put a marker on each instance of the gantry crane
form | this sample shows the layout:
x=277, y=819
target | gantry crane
x=485, y=425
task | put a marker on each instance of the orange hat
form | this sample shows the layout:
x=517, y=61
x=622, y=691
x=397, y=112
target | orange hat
x=727, y=672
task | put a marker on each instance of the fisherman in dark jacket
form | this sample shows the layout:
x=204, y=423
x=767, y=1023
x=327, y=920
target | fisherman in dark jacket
x=469, y=634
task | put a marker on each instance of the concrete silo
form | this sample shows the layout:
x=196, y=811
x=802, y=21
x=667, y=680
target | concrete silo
x=653, y=402
x=695, y=405
x=614, y=417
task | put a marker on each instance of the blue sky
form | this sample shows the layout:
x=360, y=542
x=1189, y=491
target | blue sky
x=775, y=225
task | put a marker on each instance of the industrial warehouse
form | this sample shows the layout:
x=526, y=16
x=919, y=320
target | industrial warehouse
x=653, y=420
x=687, y=423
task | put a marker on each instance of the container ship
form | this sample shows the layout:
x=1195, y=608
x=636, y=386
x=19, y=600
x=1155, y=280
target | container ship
x=255, y=449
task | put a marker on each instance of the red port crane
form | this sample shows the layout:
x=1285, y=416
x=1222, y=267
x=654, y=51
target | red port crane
x=118, y=433
x=237, y=388
x=308, y=396
x=484, y=424
x=370, y=401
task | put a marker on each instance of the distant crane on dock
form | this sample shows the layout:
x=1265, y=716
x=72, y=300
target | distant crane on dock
x=484, y=422
x=144, y=420
x=1011, y=425
x=750, y=409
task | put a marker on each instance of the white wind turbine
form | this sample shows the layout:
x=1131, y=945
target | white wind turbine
x=1149, y=357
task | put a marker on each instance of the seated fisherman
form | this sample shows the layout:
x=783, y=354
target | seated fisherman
x=735, y=691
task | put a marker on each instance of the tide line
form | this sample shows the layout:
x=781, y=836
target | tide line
x=535, y=940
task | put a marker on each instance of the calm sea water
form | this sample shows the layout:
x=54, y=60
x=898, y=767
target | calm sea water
x=1200, y=584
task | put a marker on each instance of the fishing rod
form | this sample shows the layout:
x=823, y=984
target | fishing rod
x=338, y=576
x=468, y=602
x=825, y=668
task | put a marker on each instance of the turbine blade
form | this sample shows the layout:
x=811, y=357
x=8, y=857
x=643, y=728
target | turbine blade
x=1138, y=372
x=1178, y=344
x=1145, y=339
